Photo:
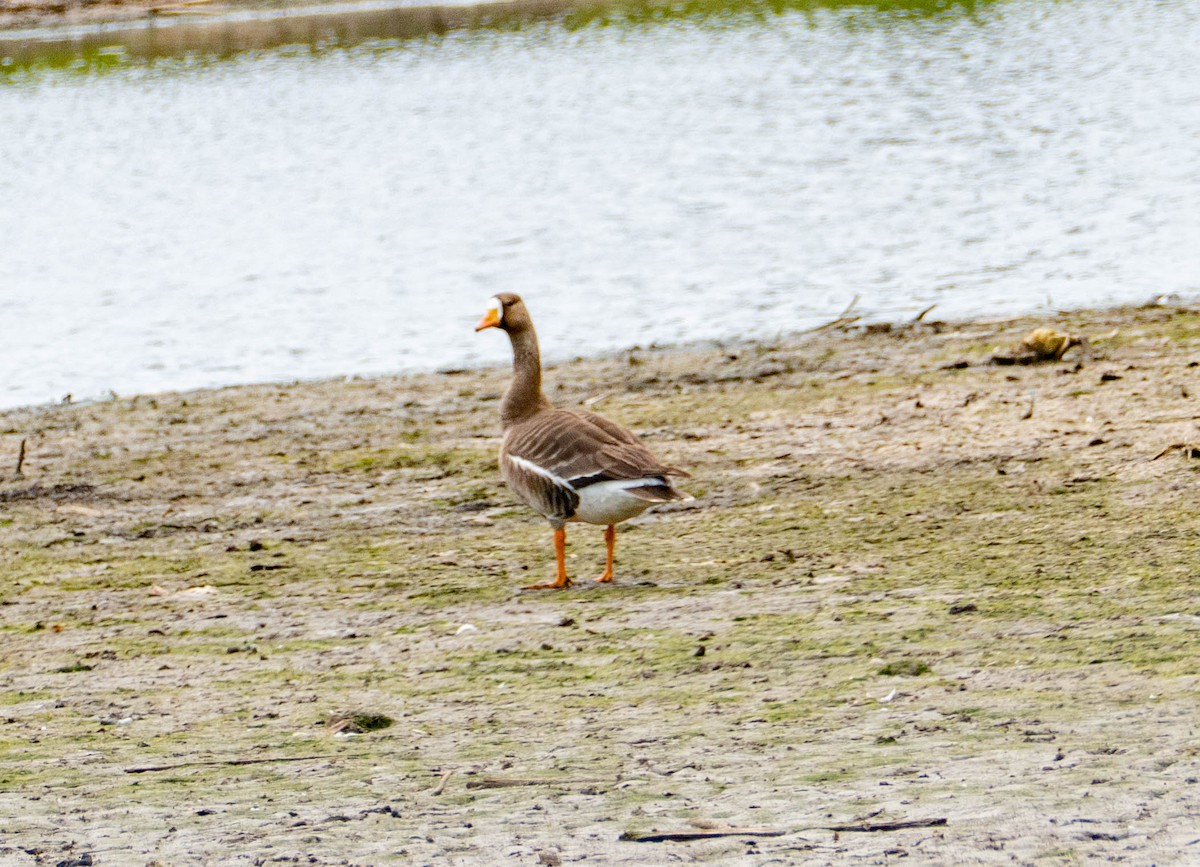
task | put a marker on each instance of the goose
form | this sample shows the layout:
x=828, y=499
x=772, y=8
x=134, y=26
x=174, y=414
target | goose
x=568, y=465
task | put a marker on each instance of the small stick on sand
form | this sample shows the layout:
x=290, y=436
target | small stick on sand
x=152, y=768
x=1029, y=412
x=886, y=826
x=701, y=834
x=853, y=303
x=921, y=315
x=869, y=826
x=168, y=10
x=20, y=461
x=441, y=786
x=705, y=833
x=506, y=783
x=843, y=318
x=1190, y=451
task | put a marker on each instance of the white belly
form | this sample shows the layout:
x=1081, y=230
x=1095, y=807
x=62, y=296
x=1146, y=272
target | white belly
x=610, y=502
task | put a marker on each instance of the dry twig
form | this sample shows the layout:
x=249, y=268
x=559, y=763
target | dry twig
x=1189, y=450
x=219, y=762
x=180, y=8
x=701, y=834
x=921, y=315
x=843, y=319
x=706, y=832
x=511, y=782
x=885, y=826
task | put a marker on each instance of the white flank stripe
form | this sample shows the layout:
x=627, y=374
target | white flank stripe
x=541, y=471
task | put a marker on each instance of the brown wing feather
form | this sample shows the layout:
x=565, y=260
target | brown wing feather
x=657, y=493
x=583, y=446
x=625, y=435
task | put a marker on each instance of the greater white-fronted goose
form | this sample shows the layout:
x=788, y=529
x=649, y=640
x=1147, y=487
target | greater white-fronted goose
x=569, y=465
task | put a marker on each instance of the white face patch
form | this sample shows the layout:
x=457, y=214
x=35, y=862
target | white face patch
x=494, y=304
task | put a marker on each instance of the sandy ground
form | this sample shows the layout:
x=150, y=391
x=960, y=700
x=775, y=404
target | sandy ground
x=44, y=13
x=22, y=14
x=913, y=586
x=136, y=31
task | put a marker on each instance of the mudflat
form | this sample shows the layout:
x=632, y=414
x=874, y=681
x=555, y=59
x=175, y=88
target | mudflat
x=46, y=13
x=424, y=18
x=283, y=624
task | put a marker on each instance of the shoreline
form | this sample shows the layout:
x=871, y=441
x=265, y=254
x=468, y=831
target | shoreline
x=912, y=584
x=45, y=18
x=55, y=33
x=846, y=323
x=145, y=30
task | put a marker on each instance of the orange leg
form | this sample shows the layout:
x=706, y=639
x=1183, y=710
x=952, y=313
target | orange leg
x=610, y=541
x=560, y=559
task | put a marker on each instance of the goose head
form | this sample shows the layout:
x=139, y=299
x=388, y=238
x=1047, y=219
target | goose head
x=507, y=312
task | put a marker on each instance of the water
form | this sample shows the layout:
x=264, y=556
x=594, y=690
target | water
x=293, y=214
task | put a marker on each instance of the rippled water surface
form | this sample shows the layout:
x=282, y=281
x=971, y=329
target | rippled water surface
x=292, y=215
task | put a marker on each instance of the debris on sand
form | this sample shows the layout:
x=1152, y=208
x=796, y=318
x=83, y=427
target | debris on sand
x=905, y=668
x=517, y=782
x=188, y=593
x=358, y=722
x=699, y=833
x=1040, y=344
x=703, y=830
x=200, y=590
x=1191, y=451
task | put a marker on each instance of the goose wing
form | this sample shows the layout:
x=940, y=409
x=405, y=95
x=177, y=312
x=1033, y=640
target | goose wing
x=548, y=458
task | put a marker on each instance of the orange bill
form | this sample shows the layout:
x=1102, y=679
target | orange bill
x=491, y=319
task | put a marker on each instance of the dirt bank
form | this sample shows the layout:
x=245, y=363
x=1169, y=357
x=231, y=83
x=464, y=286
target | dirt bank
x=46, y=13
x=226, y=26
x=135, y=31
x=912, y=586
